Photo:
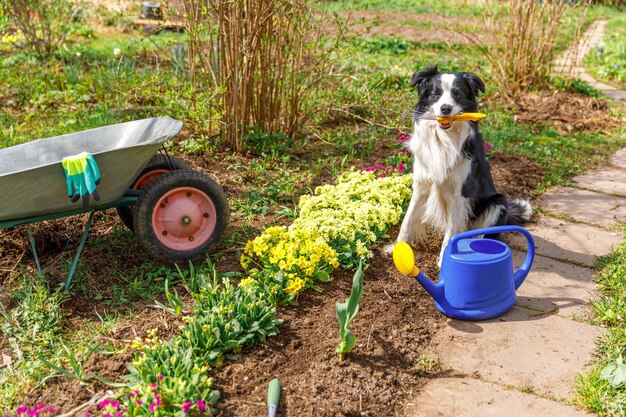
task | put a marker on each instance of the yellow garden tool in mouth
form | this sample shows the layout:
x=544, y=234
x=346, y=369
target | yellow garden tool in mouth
x=446, y=122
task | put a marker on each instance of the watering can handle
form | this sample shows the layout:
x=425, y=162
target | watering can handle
x=524, y=268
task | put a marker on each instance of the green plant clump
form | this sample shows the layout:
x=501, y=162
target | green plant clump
x=603, y=389
x=166, y=376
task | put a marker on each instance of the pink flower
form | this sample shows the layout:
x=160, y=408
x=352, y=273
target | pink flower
x=22, y=410
x=110, y=403
x=160, y=378
x=86, y=415
x=139, y=402
x=486, y=147
x=187, y=406
x=156, y=403
x=403, y=137
x=201, y=406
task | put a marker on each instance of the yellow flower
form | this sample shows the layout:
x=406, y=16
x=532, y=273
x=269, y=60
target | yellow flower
x=246, y=283
x=9, y=39
x=295, y=285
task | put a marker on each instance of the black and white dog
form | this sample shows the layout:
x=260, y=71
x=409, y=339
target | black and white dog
x=453, y=190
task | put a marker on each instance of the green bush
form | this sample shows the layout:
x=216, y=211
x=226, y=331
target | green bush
x=44, y=25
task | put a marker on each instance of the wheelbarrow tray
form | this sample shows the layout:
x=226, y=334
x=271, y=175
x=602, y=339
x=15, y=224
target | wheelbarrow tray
x=32, y=181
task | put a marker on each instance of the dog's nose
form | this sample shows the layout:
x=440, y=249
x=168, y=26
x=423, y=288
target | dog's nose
x=446, y=109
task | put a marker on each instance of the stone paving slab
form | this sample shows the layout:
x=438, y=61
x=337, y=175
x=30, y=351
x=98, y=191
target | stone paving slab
x=469, y=397
x=619, y=158
x=560, y=239
x=614, y=93
x=606, y=180
x=521, y=349
x=585, y=206
x=555, y=287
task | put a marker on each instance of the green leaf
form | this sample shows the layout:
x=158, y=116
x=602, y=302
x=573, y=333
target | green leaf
x=342, y=315
x=356, y=293
x=317, y=288
x=58, y=368
x=109, y=383
x=615, y=373
x=347, y=344
x=322, y=276
x=347, y=311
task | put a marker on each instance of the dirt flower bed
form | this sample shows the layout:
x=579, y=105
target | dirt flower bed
x=394, y=327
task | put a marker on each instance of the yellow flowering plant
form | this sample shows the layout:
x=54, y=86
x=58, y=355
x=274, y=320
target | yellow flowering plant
x=295, y=259
x=336, y=227
x=273, y=287
x=355, y=212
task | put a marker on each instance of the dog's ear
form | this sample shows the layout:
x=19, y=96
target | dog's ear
x=475, y=83
x=420, y=76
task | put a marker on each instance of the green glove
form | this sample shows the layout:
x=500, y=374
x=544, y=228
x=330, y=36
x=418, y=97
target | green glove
x=82, y=175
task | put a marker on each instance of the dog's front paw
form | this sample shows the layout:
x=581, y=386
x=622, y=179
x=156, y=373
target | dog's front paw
x=388, y=249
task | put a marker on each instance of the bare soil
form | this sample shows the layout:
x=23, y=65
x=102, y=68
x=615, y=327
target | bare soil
x=393, y=329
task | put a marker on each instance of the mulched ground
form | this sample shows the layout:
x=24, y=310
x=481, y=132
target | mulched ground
x=566, y=112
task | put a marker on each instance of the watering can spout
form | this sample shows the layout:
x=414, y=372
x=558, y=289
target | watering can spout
x=405, y=262
x=435, y=290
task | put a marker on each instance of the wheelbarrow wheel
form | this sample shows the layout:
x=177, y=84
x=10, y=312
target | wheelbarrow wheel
x=158, y=165
x=180, y=215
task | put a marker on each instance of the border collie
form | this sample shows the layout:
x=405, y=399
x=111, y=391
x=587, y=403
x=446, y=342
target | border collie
x=453, y=190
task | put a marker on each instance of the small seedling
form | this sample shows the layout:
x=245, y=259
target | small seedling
x=346, y=312
x=78, y=368
x=175, y=304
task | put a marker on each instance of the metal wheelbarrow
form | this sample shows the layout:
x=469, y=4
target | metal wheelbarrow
x=175, y=213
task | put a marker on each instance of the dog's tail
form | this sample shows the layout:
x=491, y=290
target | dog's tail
x=519, y=212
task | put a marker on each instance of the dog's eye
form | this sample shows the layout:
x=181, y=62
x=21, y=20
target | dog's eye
x=457, y=94
x=437, y=92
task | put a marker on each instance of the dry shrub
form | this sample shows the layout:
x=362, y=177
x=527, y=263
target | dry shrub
x=262, y=57
x=520, y=42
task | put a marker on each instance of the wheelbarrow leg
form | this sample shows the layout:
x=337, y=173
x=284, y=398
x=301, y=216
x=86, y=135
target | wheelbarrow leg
x=34, y=248
x=81, y=246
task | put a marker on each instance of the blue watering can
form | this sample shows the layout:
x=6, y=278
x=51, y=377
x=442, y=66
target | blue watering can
x=477, y=281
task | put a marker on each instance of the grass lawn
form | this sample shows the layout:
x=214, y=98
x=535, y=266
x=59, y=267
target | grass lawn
x=603, y=389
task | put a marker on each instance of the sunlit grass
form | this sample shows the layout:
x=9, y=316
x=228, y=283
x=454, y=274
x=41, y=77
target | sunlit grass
x=596, y=393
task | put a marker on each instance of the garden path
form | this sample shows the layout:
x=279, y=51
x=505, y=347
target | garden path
x=525, y=362
x=571, y=61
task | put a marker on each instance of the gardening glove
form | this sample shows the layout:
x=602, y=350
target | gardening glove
x=82, y=175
